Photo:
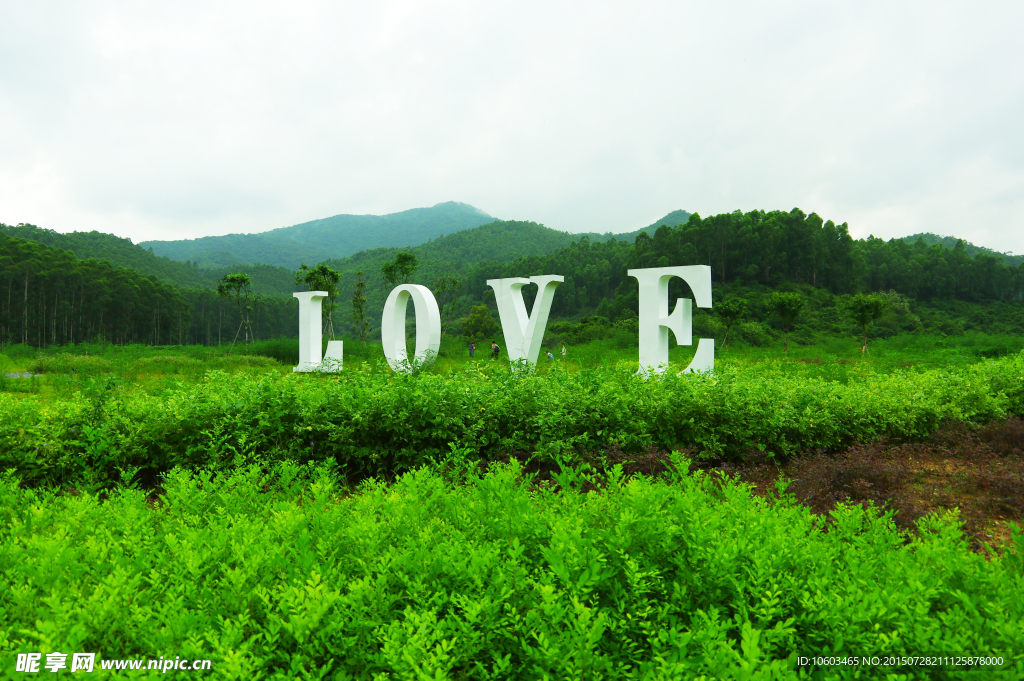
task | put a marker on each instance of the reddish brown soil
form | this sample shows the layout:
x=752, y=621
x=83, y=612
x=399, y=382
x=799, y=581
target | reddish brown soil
x=978, y=471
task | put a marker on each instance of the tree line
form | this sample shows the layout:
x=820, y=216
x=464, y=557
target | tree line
x=67, y=299
x=772, y=249
x=50, y=297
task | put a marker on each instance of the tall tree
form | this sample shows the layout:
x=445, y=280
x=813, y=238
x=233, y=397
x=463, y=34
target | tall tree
x=866, y=308
x=321, y=278
x=446, y=290
x=238, y=288
x=359, y=307
x=400, y=270
x=731, y=310
x=787, y=307
x=478, y=324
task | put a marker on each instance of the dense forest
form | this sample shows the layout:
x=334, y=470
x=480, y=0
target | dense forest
x=65, y=298
x=769, y=249
x=51, y=297
x=121, y=252
x=972, y=250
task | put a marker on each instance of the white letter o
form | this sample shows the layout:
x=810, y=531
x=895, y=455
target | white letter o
x=428, y=327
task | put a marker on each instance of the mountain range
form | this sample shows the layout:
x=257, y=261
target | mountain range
x=972, y=250
x=318, y=240
x=448, y=236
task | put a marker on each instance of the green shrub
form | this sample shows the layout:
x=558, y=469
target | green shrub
x=373, y=422
x=754, y=333
x=67, y=363
x=166, y=364
x=245, y=361
x=278, y=574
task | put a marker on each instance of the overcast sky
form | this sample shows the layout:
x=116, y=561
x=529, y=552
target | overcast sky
x=175, y=120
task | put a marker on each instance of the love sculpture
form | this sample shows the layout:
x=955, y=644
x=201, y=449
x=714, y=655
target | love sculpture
x=524, y=332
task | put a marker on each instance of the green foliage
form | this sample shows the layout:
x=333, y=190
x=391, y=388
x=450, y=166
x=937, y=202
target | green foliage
x=446, y=291
x=731, y=310
x=400, y=270
x=359, y=321
x=238, y=288
x=67, y=363
x=118, y=251
x=756, y=251
x=53, y=297
x=121, y=252
x=787, y=307
x=950, y=242
x=373, y=422
x=866, y=308
x=478, y=325
x=278, y=572
x=321, y=278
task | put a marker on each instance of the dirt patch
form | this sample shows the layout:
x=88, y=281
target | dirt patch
x=977, y=470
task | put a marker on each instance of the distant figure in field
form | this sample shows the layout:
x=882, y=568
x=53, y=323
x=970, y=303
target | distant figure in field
x=472, y=349
x=495, y=350
x=563, y=352
x=551, y=358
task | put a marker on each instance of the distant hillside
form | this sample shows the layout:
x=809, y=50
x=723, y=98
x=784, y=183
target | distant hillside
x=319, y=240
x=121, y=252
x=673, y=219
x=498, y=241
x=455, y=254
x=972, y=250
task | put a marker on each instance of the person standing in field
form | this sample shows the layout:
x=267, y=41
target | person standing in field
x=472, y=349
x=551, y=358
x=563, y=352
x=495, y=350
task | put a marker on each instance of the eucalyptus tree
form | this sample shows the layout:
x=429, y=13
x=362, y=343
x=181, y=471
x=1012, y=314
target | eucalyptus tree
x=446, y=290
x=321, y=278
x=787, y=307
x=864, y=309
x=238, y=288
x=400, y=270
x=731, y=310
x=359, y=307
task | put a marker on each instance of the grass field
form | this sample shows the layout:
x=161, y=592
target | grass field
x=469, y=522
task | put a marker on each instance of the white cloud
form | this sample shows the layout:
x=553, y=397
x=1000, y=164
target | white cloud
x=177, y=120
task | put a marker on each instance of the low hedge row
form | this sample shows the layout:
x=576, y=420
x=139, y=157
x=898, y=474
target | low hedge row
x=373, y=422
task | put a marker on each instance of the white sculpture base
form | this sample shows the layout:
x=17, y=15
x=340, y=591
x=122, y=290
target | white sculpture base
x=331, y=363
x=704, y=360
x=333, y=358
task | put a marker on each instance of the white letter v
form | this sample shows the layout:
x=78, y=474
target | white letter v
x=524, y=334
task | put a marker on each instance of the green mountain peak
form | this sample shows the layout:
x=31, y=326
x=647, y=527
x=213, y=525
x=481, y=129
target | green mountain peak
x=335, y=237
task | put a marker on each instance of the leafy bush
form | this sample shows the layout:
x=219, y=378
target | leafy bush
x=277, y=573
x=66, y=363
x=372, y=422
x=165, y=364
x=284, y=350
x=19, y=351
x=754, y=333
x=585, y=330
x=245, y=361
